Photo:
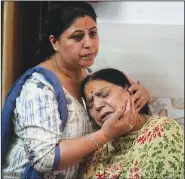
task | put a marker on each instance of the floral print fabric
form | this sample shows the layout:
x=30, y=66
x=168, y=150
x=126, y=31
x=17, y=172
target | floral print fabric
x=155, y=151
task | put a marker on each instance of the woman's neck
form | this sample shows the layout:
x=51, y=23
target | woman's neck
x=72, y=74
x=141, y=120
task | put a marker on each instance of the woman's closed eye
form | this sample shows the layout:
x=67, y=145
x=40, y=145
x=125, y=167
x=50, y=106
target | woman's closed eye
x=104, y=94
x=100, y=94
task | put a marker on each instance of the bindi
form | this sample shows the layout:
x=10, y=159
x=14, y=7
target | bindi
x=86, y=28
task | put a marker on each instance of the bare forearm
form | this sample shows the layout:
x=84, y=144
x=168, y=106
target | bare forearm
x=73, y=150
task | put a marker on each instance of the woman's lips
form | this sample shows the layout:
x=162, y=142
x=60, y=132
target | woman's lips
x=88, y=56
x=107, y=116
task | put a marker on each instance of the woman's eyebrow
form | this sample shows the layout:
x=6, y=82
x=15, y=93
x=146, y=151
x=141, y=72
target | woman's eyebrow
x=102, y=89
x=76, y=31
x=93, y=28
x=81, y=31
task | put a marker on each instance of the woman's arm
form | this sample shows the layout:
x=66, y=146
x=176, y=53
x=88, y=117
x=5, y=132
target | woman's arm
x=40, y=129
x=75, y=149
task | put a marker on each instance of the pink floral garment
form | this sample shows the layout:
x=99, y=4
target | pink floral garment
x=154, y=152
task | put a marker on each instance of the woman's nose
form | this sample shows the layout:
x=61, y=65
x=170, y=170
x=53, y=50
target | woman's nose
x=87, y=42
x=99, y=105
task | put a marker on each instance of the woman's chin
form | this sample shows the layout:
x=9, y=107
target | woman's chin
x=87, y=63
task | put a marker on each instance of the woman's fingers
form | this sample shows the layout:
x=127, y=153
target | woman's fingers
x=133, y=113
x=140, y=106
x=134, y=87
x=122, y=121
x=139, y=91
x=132, y=119
x=137, y=95
x=111, y=127
x=133, y=106
x=137, y=88
x=118, y=114
x=139, y=102
x=129, y=114
x=140, y=97
x=127, y=111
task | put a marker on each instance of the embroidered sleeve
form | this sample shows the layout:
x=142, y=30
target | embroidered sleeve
x=38, y=124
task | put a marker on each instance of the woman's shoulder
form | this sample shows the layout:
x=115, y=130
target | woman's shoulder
x=36, y=86
x=160, y=119
x=37, y=81
x=163, y=122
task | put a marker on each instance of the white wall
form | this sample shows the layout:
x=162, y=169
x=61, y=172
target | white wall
x=140, y=12
x=145, y=40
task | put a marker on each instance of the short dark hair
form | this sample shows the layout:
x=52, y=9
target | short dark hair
x=59, y=19
x=110, y=75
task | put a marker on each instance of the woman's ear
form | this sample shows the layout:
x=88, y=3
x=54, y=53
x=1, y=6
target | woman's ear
x=53, y=42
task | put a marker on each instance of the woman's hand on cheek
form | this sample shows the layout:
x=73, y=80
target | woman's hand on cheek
x=141, y=96
x=129, y=117
x=110, y=127
x=121, y=121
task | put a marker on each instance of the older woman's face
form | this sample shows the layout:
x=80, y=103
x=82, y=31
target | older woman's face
x=104, y=98
x=78, y=45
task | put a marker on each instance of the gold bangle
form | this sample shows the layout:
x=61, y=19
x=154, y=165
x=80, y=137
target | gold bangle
x=94, y=141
